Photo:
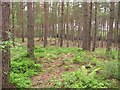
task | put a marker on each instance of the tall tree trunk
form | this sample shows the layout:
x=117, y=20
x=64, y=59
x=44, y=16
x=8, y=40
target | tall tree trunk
x=119, y=32
x=62, y=25
x=56, y=24
x=110, y=33
x=117, y=41
x=89, y=29
x=85, y=29
x=13, y=37
x=22, y=21
x=79, y=29
x=104, y=25
x=67, y=27
x=30, y=30
x=45, y=23
x=107, y=33
x=116, y=34
x=0, y=49
x=6, y=49
x=103, y=32
x=33, y=9
x=58, y=16
x=95, y=30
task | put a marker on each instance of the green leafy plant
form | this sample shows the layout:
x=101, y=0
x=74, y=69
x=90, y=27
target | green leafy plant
x=81, y=79
x=22, y=68
x=110, y=69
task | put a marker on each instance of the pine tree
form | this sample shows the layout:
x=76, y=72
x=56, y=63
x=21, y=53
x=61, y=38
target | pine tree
x=45, y=23
x=30, y=30
x=95, y=30
x=85, y=28
x=6, y=49
x=110, y=32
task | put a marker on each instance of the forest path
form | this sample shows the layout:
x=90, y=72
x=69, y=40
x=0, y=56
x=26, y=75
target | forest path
x=53, y=68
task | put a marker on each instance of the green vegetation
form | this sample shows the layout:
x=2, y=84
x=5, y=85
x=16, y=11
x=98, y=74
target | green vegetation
x=82, y=79
x=92, y=69
x=22, y=68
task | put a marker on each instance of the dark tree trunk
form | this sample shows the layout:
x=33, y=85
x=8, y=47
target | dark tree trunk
x=117, y=41
x=107, y=33
x=110, y=33
x=6, y=50
x=116, y=34
x=22, y=21
x=58, y=21
x=13, y=37
x=119, y=31
x=95, y=30
x=89, y=29
x=103, y=32
x=0, y=49
x=85, y=29
x=67, y=27
x=103, y=24
x=30, y=30
x=62, y=26
x=79, y=34
x=46, y=23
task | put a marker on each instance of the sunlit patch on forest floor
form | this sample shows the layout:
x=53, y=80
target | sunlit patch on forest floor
x=64, y=67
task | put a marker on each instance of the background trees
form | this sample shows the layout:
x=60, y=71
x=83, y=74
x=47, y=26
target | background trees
x=84, y=25
x=65, y=23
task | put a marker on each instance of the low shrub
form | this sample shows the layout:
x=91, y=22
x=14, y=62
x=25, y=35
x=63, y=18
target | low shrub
x=81, y=79
x=110, y=69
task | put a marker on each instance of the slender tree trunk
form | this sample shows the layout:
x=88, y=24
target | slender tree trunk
x=116, y=34
x=58, y=22
x=89, y=29
x=85, y=29
x=95, y=31
x=103, y=34
x=103, y=29
x=67, y=27
x=13, y=37
x=107, y=33
x=0, y=41
x=42, y=31
x=110, y=33
x=33, y=9
x=46, y=23
x=79, y=34
x=62, y=26
x=22, y=21
x=73, y=33
x=30, y=30
x=117, y=41
x=119, y=31
x=6, y=49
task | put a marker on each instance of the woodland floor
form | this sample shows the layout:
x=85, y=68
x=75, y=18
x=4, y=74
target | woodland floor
x=55, y=61
x=52, y=68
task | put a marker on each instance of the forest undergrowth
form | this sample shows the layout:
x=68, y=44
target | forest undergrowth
x=60, y=67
